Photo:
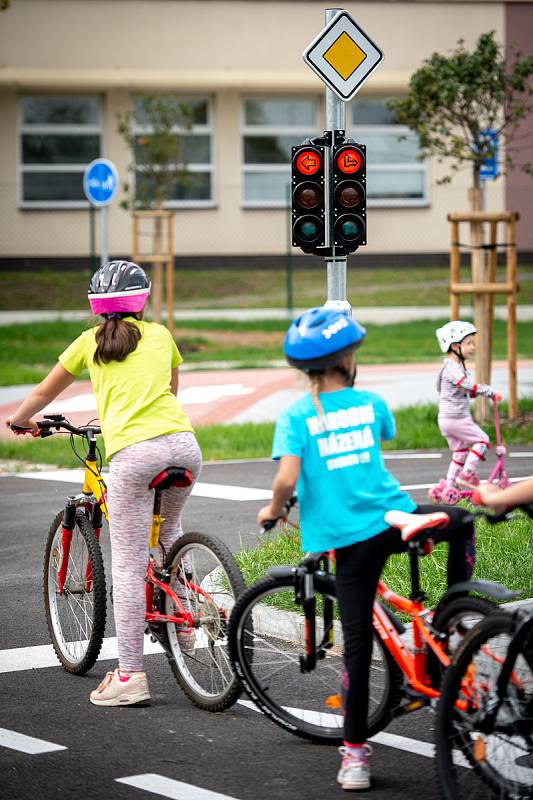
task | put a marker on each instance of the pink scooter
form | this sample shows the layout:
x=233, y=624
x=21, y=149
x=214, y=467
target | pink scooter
x=450, y=495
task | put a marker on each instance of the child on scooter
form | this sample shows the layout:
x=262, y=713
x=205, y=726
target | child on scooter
x=467, y=441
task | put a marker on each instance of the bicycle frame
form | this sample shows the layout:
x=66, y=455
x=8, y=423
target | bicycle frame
x=93, y=497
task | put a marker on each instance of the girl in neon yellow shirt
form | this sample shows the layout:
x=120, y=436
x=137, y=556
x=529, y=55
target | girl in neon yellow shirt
x=133, y=366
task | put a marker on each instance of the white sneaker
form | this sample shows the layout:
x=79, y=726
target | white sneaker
x=354, y=773
x=119, y=690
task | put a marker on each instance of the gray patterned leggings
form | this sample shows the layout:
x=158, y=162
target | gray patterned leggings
x=130, y=504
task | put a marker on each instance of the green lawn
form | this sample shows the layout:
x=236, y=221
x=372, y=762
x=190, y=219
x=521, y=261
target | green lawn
x=416, y=428
x=259, y=288
x=503, y=555
x=27, y=352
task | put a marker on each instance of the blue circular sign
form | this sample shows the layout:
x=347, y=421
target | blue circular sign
x=100, y=182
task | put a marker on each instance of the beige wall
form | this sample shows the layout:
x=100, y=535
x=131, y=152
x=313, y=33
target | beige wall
x=227, y=49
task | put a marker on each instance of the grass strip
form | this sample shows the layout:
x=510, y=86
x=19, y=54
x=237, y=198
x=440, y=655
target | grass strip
x=416, y=429
x=257, y=288
x=503, y=555
x=29, y=351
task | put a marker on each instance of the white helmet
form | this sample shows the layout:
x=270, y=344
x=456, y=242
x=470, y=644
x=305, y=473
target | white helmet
x=453, y=332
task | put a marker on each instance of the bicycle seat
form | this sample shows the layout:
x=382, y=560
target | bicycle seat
x=411, y=524
x=171, y=476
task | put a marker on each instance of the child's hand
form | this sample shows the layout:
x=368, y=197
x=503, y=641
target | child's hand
x=497, y=397
x=266, y=514
x=488, y=495
x=27, y=424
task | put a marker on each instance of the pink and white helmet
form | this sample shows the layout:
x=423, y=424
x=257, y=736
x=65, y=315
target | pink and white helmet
x=453, y=333
x=118, y=287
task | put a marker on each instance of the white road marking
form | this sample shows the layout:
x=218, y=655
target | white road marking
x=402, y=456
x=17, y=659
x=214, y=491
x=419, y=748
x=217, y=491
x=167, y=787
x=26, y=744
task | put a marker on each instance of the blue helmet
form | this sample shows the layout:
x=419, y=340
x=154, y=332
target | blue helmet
x=320, y=339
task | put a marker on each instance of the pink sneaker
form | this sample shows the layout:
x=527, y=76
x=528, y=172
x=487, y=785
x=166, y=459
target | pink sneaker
x=117, y=690
x=469, y=480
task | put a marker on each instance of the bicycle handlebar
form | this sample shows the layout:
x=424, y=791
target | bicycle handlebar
x=268, y=524
x=58, y=422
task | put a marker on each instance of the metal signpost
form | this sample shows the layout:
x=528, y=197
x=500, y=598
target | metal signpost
x=343, y=57
x=100, y=184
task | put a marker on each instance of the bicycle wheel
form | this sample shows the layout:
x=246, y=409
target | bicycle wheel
x=455, y=620
x=75, y=616
x=477, y=752
x=207, y=580
x=266, y=638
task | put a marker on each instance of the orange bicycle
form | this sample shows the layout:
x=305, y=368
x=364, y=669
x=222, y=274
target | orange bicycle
x=190, y=591
x=285, y=640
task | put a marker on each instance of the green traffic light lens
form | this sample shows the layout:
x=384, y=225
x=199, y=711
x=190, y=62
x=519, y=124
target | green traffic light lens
x=308, y=231
x=350, y=230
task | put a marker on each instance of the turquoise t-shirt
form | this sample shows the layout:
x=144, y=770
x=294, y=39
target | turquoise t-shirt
x=344, y=489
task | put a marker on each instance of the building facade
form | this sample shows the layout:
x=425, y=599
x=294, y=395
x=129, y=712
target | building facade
x=70, y=67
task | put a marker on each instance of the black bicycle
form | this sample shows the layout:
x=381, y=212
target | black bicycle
x=484, y=730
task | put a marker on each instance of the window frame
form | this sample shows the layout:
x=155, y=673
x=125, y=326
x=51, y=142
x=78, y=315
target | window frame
x=300, y=131
x=206, y=129
x=358, y=132
x=43, y=129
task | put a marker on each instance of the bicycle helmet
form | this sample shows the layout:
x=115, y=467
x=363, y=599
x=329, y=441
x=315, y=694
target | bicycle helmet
x=453, y=333
x=118, y=287
x=320, y=339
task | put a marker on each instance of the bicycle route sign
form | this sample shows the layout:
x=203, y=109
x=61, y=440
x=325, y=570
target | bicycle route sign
x=343, y=56
x=100, y=182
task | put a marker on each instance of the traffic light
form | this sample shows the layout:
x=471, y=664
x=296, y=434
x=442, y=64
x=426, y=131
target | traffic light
x=348, y=203
x=308, y=198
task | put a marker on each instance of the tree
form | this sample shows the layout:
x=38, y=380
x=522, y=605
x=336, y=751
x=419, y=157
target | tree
x=454, y=100
x=155, y=131
x=158, y=152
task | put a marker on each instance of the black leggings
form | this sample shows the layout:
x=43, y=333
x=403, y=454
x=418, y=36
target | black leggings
x=359, y=567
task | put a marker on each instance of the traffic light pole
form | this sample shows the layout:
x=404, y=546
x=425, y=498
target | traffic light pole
x=336, y=266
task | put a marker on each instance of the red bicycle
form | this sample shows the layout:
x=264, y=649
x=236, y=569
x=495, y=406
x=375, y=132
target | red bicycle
x=190, y=591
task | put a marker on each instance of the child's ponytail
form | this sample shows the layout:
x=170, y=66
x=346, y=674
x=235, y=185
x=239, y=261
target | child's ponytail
x=116, y=338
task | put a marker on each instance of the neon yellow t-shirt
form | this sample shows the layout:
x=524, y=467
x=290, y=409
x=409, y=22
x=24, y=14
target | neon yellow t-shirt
x=133, y=396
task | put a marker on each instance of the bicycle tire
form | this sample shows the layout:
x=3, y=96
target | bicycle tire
x=493, y=756
x=455, y=620
x=297, y=701
x=75, y=618
x=203, y=671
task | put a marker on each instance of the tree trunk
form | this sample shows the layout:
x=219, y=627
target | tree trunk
x=480, y=301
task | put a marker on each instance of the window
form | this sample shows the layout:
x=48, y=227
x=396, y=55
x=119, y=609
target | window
x=195, y=188
x=394, y=177
x=59, y=136
x=270, y=127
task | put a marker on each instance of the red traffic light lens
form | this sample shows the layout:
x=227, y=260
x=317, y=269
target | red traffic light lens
x=308, y=161
x=349, y=194
x=349, y=160
x=308, y=196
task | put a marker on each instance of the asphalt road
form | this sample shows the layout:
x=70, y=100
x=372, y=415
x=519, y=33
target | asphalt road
x=238, y=754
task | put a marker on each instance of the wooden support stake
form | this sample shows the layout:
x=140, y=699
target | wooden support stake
x=455, y=275
x=170, y=277
x=511, y=318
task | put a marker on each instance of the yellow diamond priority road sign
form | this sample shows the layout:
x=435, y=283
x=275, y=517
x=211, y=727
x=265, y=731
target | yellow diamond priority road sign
x=343, y=56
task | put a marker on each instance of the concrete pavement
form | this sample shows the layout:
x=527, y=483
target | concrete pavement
x=378, y=315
